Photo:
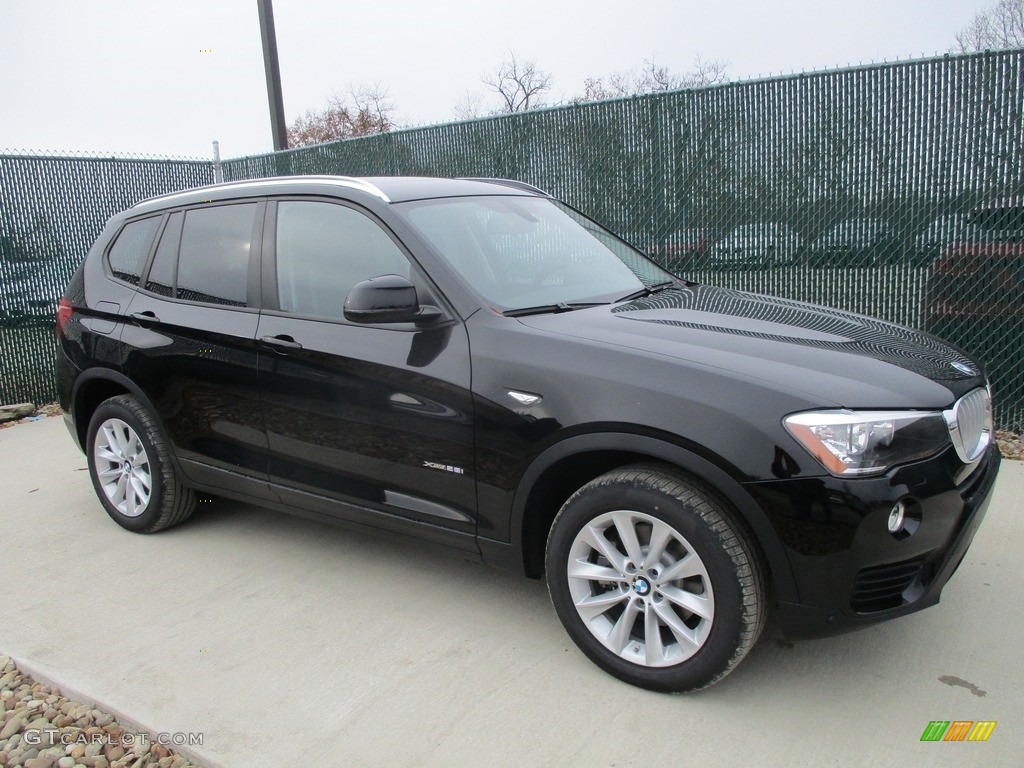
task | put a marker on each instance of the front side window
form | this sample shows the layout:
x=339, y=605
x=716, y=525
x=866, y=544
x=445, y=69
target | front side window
x=128, y=255
x=522, y=251
x=213, y=261
x=324, y=249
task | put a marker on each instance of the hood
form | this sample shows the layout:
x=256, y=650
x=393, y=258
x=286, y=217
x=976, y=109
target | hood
x=832, y=357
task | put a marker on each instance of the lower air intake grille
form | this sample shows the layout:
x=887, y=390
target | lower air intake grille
x=881, y=587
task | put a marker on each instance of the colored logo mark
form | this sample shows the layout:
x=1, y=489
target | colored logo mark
x=958, y=730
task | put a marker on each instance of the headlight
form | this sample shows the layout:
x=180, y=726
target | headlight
x=868, y=442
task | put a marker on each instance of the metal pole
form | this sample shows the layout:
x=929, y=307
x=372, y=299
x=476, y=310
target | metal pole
x=273, y=71
x=218, y=169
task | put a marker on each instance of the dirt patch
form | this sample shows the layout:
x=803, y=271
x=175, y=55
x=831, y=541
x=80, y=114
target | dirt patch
x=1011, y=445
x=41, y=411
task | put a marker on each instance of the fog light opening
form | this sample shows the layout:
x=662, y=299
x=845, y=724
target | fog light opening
x=896, y=517
x=904, y=519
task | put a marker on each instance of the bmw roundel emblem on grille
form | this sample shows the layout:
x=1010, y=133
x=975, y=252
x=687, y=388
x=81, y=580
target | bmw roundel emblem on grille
x=963, y=368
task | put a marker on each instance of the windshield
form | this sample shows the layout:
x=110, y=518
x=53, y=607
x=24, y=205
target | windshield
x=523, y=252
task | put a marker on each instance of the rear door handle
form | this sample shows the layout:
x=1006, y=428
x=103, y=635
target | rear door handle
x=281, y=342
x=145, y=318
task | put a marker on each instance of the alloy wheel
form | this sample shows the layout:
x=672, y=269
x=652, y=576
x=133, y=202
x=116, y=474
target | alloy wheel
x=122, y=467
x=640, y=588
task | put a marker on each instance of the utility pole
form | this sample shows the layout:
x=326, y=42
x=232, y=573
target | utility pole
x=273, y=70
x=218, y=168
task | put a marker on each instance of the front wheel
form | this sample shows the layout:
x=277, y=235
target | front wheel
x=654, y=581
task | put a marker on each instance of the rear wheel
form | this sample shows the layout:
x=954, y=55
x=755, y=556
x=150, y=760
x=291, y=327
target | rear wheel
x=654, y=581
x=131, y=469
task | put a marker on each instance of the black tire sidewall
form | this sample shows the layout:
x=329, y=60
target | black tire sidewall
x=116, y=409
x=705, y=666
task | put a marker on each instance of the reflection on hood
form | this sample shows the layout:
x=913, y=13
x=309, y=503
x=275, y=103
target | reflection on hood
x=721, y=310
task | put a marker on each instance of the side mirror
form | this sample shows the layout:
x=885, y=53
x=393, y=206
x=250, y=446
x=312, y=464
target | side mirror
x=386, y=299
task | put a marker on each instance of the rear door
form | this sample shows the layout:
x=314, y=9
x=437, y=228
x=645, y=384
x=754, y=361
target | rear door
x=191, y=343
x=373, y=423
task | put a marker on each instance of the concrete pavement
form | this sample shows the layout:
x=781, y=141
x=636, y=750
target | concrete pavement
x=287, y=642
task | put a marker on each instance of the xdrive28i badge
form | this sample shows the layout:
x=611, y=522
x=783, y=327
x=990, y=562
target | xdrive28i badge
x=444, y=467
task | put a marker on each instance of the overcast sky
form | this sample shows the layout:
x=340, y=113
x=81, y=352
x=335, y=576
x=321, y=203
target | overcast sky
x=167, y=77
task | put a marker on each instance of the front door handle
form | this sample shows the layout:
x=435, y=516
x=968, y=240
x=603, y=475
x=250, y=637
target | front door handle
x=145, y=318
x=280, y=343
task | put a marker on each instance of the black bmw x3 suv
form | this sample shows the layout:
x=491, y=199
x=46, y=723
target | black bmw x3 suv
x=475, y=364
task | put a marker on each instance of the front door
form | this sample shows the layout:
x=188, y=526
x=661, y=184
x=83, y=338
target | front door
x=373, y=423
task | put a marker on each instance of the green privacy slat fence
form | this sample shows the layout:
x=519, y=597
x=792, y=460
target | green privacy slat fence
x=838, y=187
x=51, y=211
x=893, y=190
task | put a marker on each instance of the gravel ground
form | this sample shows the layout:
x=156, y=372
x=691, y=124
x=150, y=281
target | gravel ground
x=1011, y=445
x=40, y=728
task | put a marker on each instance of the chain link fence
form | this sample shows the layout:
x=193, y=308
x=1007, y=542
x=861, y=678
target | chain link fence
x=52, y=208
x=895, y=190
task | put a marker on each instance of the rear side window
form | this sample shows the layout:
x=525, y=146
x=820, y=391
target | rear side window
x=161, y=274
x=128, y=255
x=213, y=261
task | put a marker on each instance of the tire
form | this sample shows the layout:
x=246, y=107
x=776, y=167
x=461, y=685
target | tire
x=676, y=623
x=131, y=469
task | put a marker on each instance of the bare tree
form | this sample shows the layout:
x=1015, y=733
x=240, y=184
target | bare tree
x=609, y=87
x=706, y=72
x=1001, y=26
x=365, y=111
x=520, y=84
x=653, y=78
x=470, y=106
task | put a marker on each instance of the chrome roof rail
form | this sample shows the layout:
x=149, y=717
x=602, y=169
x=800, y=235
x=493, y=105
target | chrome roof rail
x=509, y=183
x=342, y=181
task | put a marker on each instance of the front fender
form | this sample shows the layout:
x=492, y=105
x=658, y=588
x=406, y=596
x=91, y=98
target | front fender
x=657, y=449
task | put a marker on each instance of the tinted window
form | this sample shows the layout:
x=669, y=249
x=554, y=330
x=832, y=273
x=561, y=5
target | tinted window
x=128, y=255
x=323, y=250
x=161, y=274
x=213, y=262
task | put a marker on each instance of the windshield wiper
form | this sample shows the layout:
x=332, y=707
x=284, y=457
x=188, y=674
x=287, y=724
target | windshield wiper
x=648, y=290
x=545, y=309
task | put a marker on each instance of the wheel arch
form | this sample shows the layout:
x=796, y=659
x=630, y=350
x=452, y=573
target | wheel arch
x=94, y=386
x=571, y=463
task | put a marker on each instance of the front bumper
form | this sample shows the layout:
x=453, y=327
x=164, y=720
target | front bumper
x=848, y=569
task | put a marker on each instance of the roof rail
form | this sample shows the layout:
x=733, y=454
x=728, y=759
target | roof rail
x=345, y=181
x=509, y=183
